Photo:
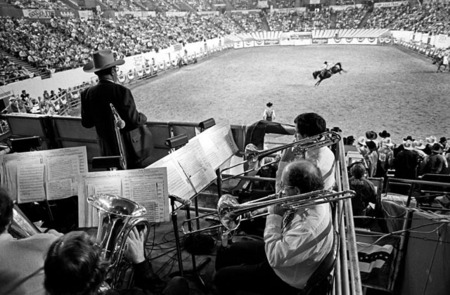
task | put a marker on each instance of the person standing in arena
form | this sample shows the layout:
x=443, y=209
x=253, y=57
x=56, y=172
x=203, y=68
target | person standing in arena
x=269, y=112
x=95, y=105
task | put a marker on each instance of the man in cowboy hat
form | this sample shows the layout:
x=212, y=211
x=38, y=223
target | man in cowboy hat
x=95, y=105
x=405, y=163
x=269, y=113
x=435, y=163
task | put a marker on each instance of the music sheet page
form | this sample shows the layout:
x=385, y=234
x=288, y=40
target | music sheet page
x=11, y=165
x=30, y=183
x=148, y=187
x=193, y=161
x=178, y=184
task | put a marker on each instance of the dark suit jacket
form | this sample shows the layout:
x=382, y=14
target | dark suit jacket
x=96, y=112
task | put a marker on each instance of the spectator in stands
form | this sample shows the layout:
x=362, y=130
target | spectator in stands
x=96, y=110
x=362, y=146
x=405, y=163
x=364, y=189
x=74, y=266
x=386, y=154
x=435, y=163
x=372, y=158
x=22, y=260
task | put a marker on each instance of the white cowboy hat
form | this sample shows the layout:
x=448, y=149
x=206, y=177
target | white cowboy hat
x=408, y=145
x=102, y=59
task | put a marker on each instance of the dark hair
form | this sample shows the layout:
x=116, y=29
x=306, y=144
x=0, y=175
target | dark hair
x=371, y=145
x=6, y=209
x=358, y=170
x=73, y=265
x=305, y=175
x=309, y=124
x=107, y=71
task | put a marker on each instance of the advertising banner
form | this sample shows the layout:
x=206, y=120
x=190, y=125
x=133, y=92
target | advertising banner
x=390, y=4
x=85, y=14
x=320, y=41
x=38, y=13
x=66, y=13
x=249, y=43
x=271, y=42
x=353, y=41
x=238, y=44
x=259, y=42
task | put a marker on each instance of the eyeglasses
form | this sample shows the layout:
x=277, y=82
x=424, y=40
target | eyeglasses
x=284, y=188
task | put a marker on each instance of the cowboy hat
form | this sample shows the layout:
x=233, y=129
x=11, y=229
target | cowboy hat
x=409, y=137
x=387, y=142
x=418, y=144
x=102, y=59
x=269, y=104
x=371, y=135
x=361, y=140
x=408, y=144
x=384, y=134
x=431, y=139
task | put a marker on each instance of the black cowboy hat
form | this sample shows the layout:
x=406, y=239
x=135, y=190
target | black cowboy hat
x=409, y=137
x=269, y=104
x=336, y=129
x=384, y=134
x=371, y=135
x=101, y=60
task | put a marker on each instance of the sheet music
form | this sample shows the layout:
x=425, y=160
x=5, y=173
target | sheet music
x=10, y=164
x=73, y=153
x=192, y=160
x=60, y=189
x=60, y=169
x=178, y=184
x=148, y=187
x=30, y=183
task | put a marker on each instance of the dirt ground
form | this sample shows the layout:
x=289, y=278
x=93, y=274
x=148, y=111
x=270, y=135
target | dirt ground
x=384, y=88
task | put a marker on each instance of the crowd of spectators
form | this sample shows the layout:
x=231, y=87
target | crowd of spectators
x=60, y=44
x=60, y=102
x=409, y=159
x=11, y=72
x=40, y=4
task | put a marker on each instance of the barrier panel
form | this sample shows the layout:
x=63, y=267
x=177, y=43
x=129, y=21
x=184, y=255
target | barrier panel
x=25, y=125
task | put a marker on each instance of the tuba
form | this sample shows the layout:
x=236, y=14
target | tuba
x=117, y=216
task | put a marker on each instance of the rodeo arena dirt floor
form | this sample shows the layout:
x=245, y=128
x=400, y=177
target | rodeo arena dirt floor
x=383, y=88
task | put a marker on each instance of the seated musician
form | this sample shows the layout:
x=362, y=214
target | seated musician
x=74, y=266
x=295, y=242
x=21, y=260
x=307, y=125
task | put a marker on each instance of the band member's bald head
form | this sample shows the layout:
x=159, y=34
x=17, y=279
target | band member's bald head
x=304, y=175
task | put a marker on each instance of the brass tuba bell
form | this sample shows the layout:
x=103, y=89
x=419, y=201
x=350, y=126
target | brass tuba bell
x=117, y=216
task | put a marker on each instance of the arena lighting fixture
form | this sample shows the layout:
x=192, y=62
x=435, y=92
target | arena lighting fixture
x=25, y=144
x=108, y=163
x=207, y=124
x=176, y=142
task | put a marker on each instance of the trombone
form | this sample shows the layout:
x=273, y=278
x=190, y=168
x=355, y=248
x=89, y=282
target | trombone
x=230, y=213
x=253, y=156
